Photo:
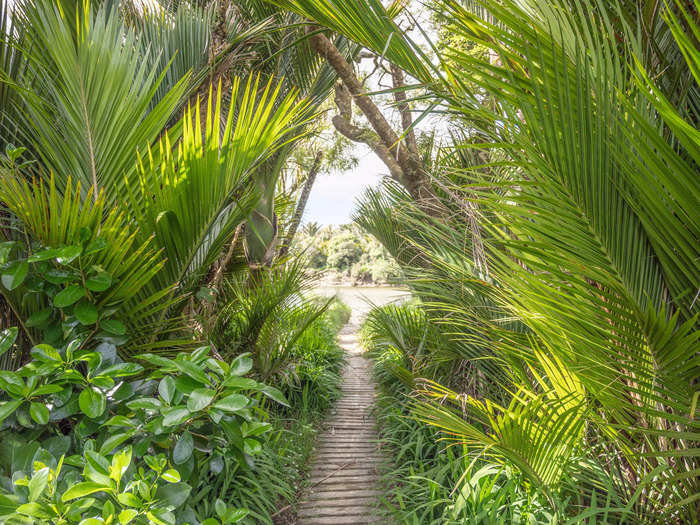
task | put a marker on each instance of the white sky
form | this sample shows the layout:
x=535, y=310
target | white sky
x=333, y=196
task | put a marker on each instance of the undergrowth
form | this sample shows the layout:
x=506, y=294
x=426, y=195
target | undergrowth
x=429, y=480
x=269, y=490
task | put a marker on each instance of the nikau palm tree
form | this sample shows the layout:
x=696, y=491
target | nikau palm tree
x=587, y=210
x=99, y=105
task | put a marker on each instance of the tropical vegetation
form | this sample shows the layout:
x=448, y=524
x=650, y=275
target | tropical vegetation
x=163, y=358
x=346, y=254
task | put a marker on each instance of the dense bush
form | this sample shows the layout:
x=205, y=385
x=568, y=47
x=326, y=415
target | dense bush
x=82, y=406
x=349, y=252
x=281, y=467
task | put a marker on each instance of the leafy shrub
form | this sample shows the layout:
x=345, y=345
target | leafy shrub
x=96, y=489
x=79, y=272
x=193, y=411
x=428, y=480
x=313, y=364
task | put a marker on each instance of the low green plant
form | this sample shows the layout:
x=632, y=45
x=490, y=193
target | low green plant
x=96, y=488
x=432, y=481
x=193, y=411
x=313, y=364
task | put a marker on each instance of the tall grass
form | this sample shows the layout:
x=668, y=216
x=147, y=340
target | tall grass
x=429, y=480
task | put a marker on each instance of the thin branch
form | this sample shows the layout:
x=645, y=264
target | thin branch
x=301, y=204
x=404, y=109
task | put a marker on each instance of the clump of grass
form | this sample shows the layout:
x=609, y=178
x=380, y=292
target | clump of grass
x=429, y=480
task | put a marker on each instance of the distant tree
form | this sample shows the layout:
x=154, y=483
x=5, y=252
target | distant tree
x=344, y=250
x=311, y=228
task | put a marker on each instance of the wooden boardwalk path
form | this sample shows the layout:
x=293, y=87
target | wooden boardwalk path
x=344, y=478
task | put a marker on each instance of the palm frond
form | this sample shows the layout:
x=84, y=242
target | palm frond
x=88, y=107
x=193, y=198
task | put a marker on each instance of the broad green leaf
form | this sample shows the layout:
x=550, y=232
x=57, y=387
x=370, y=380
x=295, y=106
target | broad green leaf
x=232, y=403
x=47, y=389
x=36, y=510
x=252, y=446
x=145, y=403
x=92, y=402
x=99, y=282
x=85, y=312
x=39, y=413
x=14, y=275
x=84, y=488
x=159, y=361
x=183, y=448
x=122, y=370
x=8, y=338
x=45, y=255
x=114, y=441
x=92, y=521
x=161, y=517
x=166, y=388
x=120, y=463
x=199, y=399
x=8, y=407
x=68, y=296
x=38, y=483
x=171, y=476
x=108, y=510
x=174, y=494
x=220, y=507
x=68, y=254
x=241, y=382
x=175, y=416
x=241, y=366
x=193, y=371
x=44, y=352
x=255, y=428
x=97, y=461
x=128, y=499
x=58, y=276
x=127, y=516
x=103, y=382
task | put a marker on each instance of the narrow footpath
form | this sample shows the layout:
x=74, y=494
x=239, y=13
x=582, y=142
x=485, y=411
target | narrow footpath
x=344, y=478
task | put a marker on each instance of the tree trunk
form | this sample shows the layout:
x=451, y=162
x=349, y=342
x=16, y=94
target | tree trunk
x=301, y=205
x=399, y=153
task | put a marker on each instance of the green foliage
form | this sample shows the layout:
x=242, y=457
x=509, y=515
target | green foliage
x=204, y=410
x=563, y=260
x=309, y=380
x=429, y=482
x=87, y=94
x=114, y=213
x=347, y=250
x=184, y=197
x=107, y=489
